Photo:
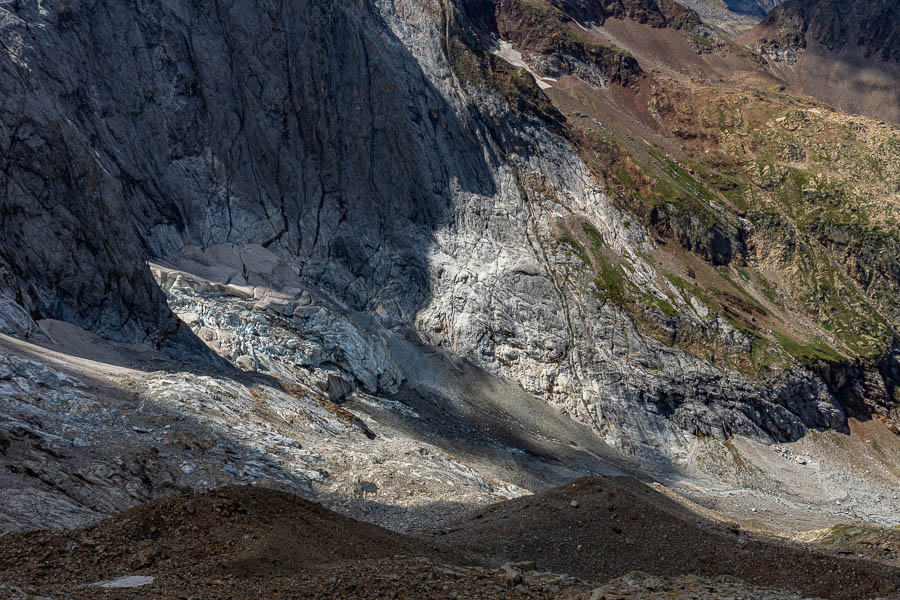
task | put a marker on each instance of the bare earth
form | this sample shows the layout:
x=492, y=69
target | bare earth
x=611, y=534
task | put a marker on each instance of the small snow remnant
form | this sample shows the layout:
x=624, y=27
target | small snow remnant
x=130, y=581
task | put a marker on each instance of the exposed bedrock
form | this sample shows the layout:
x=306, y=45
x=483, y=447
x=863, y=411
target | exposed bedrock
x=334, y=139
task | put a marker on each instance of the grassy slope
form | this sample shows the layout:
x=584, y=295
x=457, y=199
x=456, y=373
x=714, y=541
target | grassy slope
x=802, y=199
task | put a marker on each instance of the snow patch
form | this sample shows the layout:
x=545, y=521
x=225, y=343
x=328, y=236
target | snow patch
x=130, y=581
x=508, y=52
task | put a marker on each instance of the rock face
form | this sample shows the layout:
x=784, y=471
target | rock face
x=385, y=192
x=872, y=26
x=226, y=125
x=847, y=53
x=756, y=8
x=80, y=440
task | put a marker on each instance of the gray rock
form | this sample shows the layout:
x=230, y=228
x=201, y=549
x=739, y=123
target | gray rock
x=337, y=388
x=245, y=362
x=317, y=172
x=512, y=577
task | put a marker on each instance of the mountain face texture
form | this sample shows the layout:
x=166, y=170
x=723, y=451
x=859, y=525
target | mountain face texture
x=846, y=53
x=758, y=8
x=608, y=204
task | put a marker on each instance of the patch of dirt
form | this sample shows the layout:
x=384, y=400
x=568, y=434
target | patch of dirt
x=641, y=586
x=405, y=578
x=239, y=530
x=606, y=526
x=249, y=542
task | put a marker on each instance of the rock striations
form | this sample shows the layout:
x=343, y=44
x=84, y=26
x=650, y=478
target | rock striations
x=846, y=53
x=317, y=184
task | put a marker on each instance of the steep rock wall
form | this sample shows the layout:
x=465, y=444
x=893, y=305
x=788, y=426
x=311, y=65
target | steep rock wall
x=337, y=136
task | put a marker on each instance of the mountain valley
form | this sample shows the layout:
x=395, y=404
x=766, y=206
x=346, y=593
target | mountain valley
x=482, y=298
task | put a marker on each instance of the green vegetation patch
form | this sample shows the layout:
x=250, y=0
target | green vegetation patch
x=611, y=283
x=808, y=352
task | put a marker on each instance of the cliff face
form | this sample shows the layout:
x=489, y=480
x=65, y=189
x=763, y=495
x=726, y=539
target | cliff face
x=392, y=177
x=846, y=53
x=870, y=26
x=132, y=132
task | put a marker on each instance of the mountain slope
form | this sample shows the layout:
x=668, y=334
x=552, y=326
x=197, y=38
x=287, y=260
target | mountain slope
x=733, y=17
x=846, y=53
x=242, y=542
x=709, y=152
x=597, y=201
